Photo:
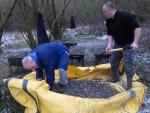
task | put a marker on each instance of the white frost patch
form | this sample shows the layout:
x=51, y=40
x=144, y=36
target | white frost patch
x=104, y=37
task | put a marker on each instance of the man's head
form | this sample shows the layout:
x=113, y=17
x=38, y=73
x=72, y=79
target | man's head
x=29, y=63
x=109, y=10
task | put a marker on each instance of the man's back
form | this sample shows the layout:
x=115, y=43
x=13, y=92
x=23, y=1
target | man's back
x=53, y=48
x=48, y=54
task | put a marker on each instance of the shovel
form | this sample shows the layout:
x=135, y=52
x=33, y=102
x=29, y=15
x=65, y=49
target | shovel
x=120, y=49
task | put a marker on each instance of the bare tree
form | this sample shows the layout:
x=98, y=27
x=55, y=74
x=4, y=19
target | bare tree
x=4, y=18
x=29, y=26
x=55, y=28
x=32, y=7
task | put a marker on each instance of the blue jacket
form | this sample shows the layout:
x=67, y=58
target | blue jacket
x=48, y=57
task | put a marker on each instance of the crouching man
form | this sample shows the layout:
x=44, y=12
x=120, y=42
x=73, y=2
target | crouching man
x=48, y=57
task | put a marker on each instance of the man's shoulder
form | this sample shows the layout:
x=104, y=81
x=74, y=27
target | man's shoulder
x=125, y=14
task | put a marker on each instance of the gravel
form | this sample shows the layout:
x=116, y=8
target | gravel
x=146, y=104
x=89, y=89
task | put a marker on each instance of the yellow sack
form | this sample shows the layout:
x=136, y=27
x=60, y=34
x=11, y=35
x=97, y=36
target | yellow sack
x=36, y=98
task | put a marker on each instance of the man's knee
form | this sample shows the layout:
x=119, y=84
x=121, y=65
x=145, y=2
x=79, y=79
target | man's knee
x=129, y=67
x=129, y=71
x=128, y=55
x=128, y=58
x=114, y=61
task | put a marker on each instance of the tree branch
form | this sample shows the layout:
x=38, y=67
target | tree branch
x=56, y=19
x=4, y=21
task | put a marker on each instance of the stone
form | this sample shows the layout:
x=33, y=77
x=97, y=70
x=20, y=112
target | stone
x=89, y=89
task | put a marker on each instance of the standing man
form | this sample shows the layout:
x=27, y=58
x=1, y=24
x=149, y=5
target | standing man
x=123, y=30
x=49, y=56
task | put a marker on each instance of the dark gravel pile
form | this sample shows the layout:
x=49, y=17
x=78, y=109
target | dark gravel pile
x=89, y=89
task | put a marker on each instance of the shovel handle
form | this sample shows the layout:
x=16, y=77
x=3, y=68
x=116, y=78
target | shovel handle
x=116, y=50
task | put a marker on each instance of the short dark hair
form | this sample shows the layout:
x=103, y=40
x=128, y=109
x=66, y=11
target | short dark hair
x=109, y=5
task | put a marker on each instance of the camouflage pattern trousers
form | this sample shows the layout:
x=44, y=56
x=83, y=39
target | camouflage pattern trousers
x=127, y=55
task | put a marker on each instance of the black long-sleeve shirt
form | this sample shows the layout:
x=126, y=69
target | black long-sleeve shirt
x=122, y=27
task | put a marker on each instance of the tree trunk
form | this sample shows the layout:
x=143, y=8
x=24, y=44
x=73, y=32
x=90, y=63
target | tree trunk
x=28, y=26
x=35, y=11
x=56, y=28
x=1, y=34
x=3, y=21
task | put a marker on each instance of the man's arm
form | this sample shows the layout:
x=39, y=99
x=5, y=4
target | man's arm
x=110, y=43
x=49, y=69
x=39, y=74
x=50, y=77
x=110, y=34
x=137, y=35
x=132, y=24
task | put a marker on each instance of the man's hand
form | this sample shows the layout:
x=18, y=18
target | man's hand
x=134, y=46
x=137, y=36
x=108, y=49
x=39, y=79
x=110, y=42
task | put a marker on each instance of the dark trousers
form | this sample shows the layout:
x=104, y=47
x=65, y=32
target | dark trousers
x=127, y=55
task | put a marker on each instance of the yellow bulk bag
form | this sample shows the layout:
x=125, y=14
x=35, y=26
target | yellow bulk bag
x=36, y=98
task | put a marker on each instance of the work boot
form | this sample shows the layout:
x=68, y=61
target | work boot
x=129, y=83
